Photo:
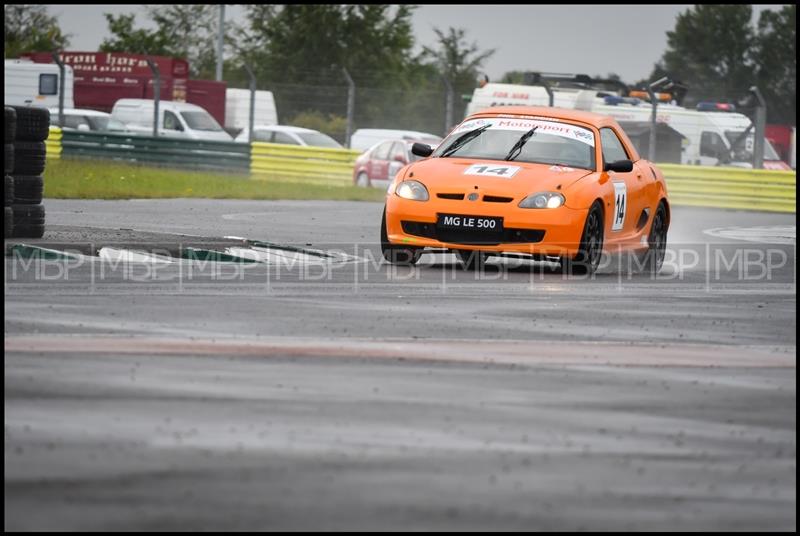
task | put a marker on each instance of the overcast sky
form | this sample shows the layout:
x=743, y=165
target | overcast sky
x=590, y=39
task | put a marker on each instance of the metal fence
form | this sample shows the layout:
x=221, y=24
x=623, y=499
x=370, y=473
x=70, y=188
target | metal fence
x=184, y=153
x=718, y=187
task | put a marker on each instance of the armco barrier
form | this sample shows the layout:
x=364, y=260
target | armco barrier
x=306, y=164
x=721, y=187
x=53, y=143
x=175, y=152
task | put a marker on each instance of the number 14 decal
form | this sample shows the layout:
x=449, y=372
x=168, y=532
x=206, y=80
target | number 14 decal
x=620, y=205
x=492, y=170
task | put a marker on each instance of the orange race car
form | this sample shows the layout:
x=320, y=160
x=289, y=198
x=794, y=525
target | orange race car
x=545, y=182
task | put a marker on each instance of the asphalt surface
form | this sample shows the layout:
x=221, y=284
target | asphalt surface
x=349, y=395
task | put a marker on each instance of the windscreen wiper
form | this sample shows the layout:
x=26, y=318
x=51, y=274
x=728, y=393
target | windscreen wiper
x=463, y=140
x=517, y=149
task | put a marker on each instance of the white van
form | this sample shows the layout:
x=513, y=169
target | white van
x=36, y=84
x=176, y=119
x=710, y=138
x=364, y=138
x=517, y=95
x=237, y=109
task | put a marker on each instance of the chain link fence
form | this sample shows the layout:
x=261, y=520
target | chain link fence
x=713, y=130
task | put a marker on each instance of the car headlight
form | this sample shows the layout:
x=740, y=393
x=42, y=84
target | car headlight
x=542, y=200
x=413, y=190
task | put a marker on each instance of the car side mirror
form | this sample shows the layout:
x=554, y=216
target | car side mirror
x=620, y=166
x=421, y=149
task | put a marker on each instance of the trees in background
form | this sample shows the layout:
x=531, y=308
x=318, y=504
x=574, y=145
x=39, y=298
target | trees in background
x=458, y=61
x=717, y=53
x=28, y=28
x=299, y=51
x=182, y=30
x=775, y=56
x=710, y=49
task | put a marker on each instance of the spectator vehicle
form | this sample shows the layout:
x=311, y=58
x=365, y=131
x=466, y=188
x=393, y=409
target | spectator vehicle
x=176, y=119
x=237, y=109
x=546, y=183
x=380, y=163
x=305, y=137
x=365, y=138
x=84, y=119
x=714, y=133
x=33, y=84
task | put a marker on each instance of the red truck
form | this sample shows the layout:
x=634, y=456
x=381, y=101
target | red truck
x=102, y=78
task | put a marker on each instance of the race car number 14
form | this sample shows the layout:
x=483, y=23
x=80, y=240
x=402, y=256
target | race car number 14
x=620, y=205
x=492, y=170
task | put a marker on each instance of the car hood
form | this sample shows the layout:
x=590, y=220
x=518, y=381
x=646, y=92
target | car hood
x=455, y=175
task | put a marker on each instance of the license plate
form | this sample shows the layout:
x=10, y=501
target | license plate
x=470, y=223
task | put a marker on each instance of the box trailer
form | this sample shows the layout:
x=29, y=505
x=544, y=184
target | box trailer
x=102, y=78
x=237, y=109
x=35, y=84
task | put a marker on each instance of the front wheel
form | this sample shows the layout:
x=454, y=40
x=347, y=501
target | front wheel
x=590, y=250
x=408, y=255
x=657, y=242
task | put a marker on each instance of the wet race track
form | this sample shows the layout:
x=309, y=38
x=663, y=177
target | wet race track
x=340, y=393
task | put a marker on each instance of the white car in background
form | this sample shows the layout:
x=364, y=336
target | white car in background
x=288, y=135
x=366, y=138
x=87, y=120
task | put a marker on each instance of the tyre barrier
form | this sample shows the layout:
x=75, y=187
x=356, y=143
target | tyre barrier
x=26, y=129
x=53, y=143
x=8, y=191
x=10, y=124
x=28, y=221
x=32, y=123
x=29, y=157
x=27, y=189
x=8, y=222
x=8, y=158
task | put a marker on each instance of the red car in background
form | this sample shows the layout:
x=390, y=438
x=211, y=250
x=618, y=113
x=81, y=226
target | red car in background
x=378, y=165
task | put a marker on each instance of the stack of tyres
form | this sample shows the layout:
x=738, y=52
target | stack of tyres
x=10, y=123
x=32, y=128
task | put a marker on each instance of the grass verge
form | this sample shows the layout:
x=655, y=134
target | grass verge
x=99, y=179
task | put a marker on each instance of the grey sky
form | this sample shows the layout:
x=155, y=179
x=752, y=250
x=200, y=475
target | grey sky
x=591, y=39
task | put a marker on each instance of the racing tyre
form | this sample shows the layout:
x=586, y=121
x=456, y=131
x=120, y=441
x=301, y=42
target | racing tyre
x=396, y=254
x=657, y=242
x=28, y=189
x=471, y=259
x=8, y=222
x=28, y=221
x=25, y=214
x=32, y=230
x=10, y=123
x=8, y=191
x=8, y=158
x=590, y=250
x=29, y=157
x=33, y=123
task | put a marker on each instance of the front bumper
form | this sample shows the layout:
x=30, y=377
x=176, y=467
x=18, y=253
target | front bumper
x=546, y=232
